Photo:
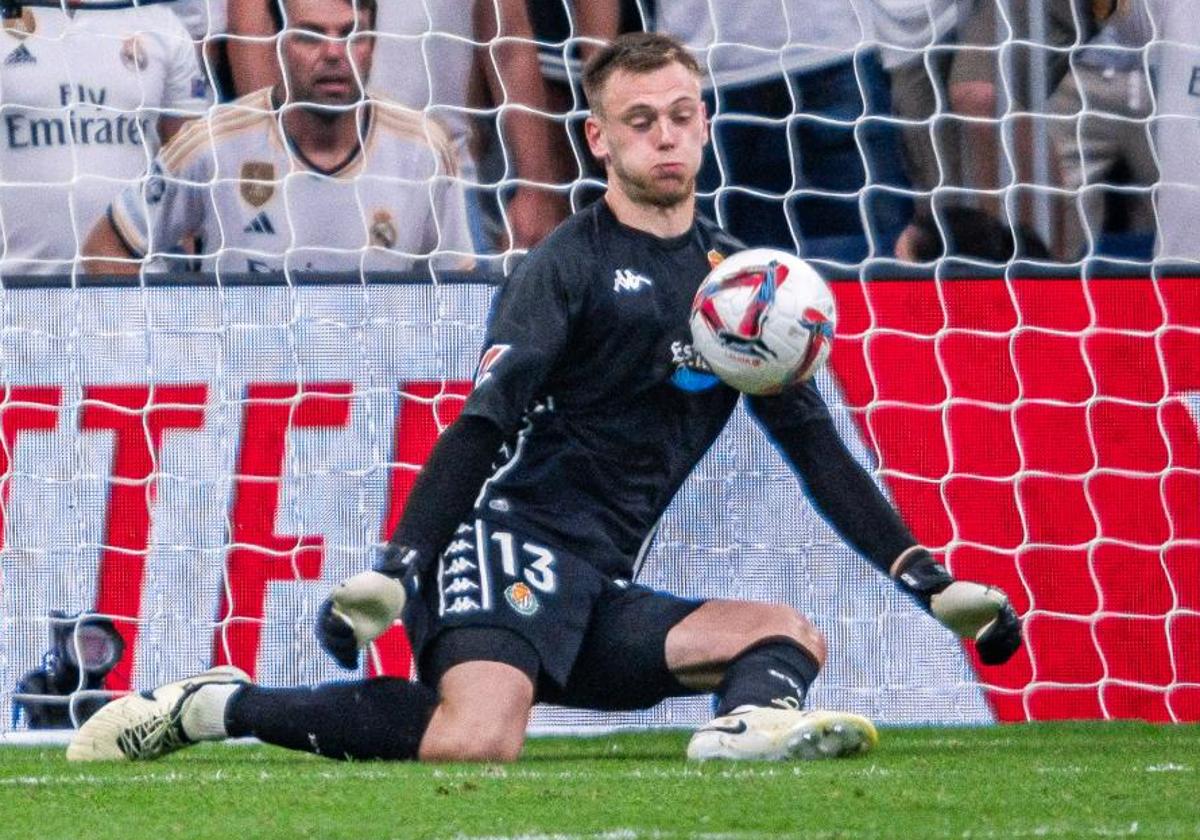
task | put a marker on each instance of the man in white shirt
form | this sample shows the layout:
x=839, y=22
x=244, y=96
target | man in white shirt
x=87, y=95
x=426, y=58
x=1172, y=28
x=1104, y=104
x=311, y=175
x=914, y=38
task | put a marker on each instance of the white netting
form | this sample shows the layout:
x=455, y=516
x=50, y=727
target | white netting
x=199, y=458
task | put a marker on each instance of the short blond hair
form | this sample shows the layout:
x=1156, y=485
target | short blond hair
x=633, y=52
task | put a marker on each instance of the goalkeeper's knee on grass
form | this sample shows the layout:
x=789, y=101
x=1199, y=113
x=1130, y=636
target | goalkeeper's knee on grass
x=970, y=610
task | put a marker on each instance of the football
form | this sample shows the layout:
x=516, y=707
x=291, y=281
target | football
x=763, y=320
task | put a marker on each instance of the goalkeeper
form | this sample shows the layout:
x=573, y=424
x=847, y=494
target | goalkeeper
x=512, y=564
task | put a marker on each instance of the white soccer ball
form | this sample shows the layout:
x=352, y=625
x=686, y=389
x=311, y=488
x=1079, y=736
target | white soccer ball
x=763, y=320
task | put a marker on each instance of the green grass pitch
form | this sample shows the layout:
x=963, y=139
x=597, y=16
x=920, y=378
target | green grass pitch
x=1063, y=780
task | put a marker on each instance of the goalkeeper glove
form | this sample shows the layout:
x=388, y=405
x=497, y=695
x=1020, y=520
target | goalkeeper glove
x=970, y=610
x=361, y=608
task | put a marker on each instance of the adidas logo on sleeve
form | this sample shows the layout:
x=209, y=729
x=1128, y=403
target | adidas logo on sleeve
x=21, y=55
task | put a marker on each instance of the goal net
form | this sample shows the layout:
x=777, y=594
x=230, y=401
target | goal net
x=198, y=456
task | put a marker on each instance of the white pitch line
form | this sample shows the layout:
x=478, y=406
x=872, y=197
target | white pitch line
x=169, y=778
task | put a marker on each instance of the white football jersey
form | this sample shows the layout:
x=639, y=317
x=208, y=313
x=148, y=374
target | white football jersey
x=1173, y=29
x=756, y=40
x=424, y=58
x=903, y=28
x=82, y=94
x=240, y=184
x=203, y=18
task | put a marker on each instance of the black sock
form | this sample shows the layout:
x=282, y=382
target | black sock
x=775, y=669
x=378, y=718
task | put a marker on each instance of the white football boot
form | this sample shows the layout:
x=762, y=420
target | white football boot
x=150, y=724
x=766, y=733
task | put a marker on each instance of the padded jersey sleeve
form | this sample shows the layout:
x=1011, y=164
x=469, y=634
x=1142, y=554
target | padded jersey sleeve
x=799, y=425
x=527, y=333
x=154, y=215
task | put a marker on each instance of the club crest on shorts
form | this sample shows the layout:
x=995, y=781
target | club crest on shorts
x=258, y=182
x=521, y=598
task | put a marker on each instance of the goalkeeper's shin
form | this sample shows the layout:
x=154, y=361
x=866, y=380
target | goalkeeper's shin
x=971, y=610
x=379, y=718
x=357, y=612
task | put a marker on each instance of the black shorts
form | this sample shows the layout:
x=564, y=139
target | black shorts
x=584, y=640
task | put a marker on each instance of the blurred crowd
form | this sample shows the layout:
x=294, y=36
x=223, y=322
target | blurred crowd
x=378, y=134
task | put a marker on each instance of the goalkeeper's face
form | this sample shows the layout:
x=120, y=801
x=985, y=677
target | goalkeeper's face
x=650, y=133
x=326, y=50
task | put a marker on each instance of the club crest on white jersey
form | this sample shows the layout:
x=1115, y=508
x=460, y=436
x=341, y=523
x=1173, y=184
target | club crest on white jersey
x=394, y=204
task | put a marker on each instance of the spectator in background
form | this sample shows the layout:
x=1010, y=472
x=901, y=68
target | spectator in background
x=1173, y=30
x=967, y=233
x=310, y=174
x=87, y=97
x=529, y=135
x=796, y=94
x=1106, y=102
x=992, y=80
x=917, y=47
x=426, y=60
x=206, y=21
x=203, y=18
x=567, y=33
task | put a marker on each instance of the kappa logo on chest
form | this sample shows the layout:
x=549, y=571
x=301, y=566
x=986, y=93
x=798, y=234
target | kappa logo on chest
x=628, y=280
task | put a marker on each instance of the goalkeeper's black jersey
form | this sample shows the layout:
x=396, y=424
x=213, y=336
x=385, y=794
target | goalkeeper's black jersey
x=588, y=360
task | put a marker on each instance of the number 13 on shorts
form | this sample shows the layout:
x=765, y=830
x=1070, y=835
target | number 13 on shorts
x=467, y=569
x=538, y=565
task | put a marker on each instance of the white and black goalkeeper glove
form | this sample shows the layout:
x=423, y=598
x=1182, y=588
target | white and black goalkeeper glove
x=970, y=610
x=361, y=609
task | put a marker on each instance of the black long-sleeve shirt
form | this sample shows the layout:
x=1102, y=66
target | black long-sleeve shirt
x=589, y=381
